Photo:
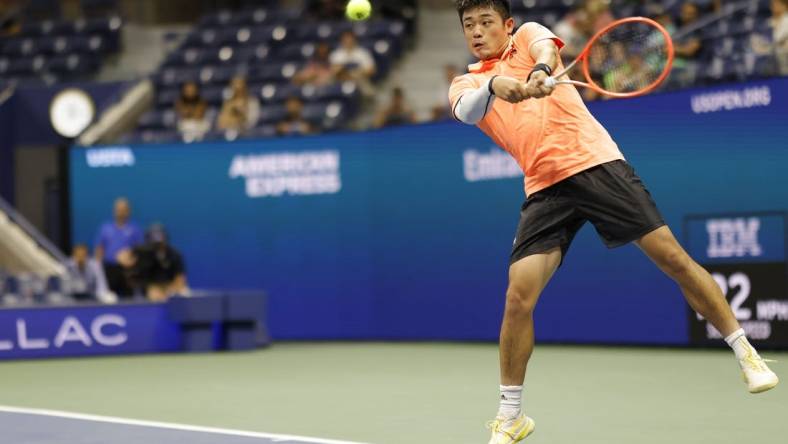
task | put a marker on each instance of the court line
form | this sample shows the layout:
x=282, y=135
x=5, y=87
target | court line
x=170, y=426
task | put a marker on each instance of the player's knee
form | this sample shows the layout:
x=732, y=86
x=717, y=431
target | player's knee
x=677, y=263
x=519, y=301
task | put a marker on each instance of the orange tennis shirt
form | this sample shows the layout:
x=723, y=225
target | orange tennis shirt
x=550, y=138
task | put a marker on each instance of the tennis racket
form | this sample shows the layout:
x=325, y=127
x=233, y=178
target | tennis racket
x=628, y=58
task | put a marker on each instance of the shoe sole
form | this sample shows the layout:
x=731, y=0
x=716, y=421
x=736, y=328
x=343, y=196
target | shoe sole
x=764, y=388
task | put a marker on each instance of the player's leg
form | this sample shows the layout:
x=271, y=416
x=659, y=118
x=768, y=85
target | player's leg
x=699, y=288
x=615, y=200
x=527, y=279
x=548, y=223
x=705, y=297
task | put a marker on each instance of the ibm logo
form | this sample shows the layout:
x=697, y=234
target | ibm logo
x=733, y=237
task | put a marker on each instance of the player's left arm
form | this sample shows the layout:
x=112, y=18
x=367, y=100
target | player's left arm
x=544, y=52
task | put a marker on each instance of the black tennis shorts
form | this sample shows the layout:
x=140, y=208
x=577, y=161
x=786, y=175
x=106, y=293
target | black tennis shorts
x=611, y=196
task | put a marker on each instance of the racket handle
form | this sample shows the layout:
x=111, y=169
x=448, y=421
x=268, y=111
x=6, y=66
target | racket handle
x=550, y=81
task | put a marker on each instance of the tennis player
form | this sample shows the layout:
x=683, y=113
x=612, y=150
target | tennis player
x=574, y=172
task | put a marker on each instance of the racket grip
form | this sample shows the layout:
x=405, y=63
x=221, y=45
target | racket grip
x=550, y=81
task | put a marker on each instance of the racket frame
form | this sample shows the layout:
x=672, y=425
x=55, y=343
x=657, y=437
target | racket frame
x=553, y=80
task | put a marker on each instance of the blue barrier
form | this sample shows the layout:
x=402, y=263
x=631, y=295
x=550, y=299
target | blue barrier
x=404, y=233
x=181, y=324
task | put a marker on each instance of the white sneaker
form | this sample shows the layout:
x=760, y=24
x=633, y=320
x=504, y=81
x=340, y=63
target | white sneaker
x=510, y=430
x=757, y=375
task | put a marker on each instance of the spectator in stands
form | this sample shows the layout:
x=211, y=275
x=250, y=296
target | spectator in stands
x=87, y=276
x=350, y=61
x=191, y=109
x=294, y=122
x=241, y=111
x=158, y=268
x=397, y=112
x=114, y=242
x=780, y=34
x=442, y=108
x=10, y=19
x=685, y=67
x=318, y=71
x=598, y=15
x=574, y=30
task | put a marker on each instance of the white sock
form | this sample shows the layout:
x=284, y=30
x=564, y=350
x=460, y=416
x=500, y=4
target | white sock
x=740, y=345
x=511, y=400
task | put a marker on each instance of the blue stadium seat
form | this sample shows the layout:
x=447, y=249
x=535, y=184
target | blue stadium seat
x=272, y=114
x=20, y=47
x=295, y=52
x=72, y=64
x=273, y=72
x=251, y=35
x=346, y=91
x=262, y=131
x=56, y=45
x=214, y=95
x=254, y=54
x=218, y=20
x=38, y=29
x=5, y=67
x=166, y=98
x=165, y=119
x=275, y=93
x=254, y=17
x=27, y=66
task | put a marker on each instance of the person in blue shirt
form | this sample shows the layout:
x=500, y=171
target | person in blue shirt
x=114, y=243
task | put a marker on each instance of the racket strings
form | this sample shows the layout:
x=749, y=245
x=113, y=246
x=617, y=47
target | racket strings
x=628, y=58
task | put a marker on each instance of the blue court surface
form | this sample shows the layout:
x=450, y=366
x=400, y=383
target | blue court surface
x=30, y=426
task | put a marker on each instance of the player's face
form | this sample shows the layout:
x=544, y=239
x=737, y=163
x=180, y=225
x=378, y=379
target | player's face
x=486, y=32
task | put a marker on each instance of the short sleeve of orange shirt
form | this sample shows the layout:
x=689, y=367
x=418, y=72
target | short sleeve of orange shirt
x=551, y=138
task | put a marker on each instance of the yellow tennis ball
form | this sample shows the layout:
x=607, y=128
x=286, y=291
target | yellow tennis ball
x=358, y=9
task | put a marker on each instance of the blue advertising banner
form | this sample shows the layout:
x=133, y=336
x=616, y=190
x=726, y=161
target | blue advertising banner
x=404, y=233
x=745, y=254
x=87, y=330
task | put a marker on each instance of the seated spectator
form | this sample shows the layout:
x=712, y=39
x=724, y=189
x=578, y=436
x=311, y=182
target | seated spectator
x=158, y=268
x=353, y=62
x=191, y=109
x=294, y=122
x=113, y=247
x=688, y=48
x=397, y=112
x=318, y=71
x=780, y=34
x=87, y=277
x=241, y=111
x=442, y=108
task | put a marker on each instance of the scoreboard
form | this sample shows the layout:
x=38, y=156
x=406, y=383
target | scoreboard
x=745, y=254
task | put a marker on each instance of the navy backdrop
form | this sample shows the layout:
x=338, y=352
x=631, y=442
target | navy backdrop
x=404, y=233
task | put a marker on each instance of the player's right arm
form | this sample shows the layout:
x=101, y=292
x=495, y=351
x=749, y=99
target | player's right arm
x=470, y=103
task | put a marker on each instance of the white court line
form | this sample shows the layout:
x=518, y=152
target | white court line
x=170, y=426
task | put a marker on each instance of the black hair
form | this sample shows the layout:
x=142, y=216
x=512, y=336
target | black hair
x=500, y=6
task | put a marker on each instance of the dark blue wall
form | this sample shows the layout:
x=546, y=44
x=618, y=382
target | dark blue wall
x=7, y=137
x=410, y=249
x=24, y=121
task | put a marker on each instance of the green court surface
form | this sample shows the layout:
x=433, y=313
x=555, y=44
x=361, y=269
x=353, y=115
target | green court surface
x=419, y=393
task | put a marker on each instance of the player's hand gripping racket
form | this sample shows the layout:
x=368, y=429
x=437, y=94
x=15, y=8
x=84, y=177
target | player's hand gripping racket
x=628, y=58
